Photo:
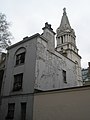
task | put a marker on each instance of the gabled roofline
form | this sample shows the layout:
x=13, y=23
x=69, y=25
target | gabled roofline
x=25, y=39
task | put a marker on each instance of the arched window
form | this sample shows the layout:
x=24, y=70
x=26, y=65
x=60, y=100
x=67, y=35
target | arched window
x=20, y=56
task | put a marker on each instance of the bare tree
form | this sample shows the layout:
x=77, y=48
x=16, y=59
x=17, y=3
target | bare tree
x=5, y=34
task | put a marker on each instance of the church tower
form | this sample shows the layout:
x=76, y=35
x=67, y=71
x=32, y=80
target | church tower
x=66, y=44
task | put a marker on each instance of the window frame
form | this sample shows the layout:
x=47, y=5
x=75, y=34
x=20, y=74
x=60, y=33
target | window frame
x=20, y=58
x=18, y=79
x=10, y=113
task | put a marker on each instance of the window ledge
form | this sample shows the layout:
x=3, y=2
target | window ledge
x=19, y=65
x=16, y=92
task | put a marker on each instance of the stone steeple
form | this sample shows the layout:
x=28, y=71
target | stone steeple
x=66, y=36
x=66, y=44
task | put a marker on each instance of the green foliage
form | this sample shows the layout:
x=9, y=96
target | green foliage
x=5, y=35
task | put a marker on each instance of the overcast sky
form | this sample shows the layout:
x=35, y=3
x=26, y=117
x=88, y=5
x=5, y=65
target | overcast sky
x=27, y=17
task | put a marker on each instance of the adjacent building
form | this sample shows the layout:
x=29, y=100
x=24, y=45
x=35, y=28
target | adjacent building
x=86, y=75
x=34, y=64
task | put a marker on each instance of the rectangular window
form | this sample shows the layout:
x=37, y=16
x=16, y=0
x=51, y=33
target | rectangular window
x=64, y=76
x=18, y=82
x=23, y=111
x=20, y=58
x=10, y=114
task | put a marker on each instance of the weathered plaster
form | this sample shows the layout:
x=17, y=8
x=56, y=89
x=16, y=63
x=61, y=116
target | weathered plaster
x=49, y=68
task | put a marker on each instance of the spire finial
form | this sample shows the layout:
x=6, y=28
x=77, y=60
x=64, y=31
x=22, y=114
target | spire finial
x=64, y=11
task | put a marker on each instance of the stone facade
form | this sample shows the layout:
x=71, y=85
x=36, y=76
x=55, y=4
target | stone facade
x=25, y=94
x=49, y=67
x=66, y=44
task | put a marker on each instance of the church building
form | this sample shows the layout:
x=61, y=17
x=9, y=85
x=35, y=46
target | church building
x=34, y=64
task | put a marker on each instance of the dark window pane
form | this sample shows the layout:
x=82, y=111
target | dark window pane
x=20, y=58
x=64, y=76
x=61, y=39
x=10, y=114
x=18, y=82
x=23, y=111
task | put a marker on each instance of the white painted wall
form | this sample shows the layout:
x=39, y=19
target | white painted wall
x=28, y=69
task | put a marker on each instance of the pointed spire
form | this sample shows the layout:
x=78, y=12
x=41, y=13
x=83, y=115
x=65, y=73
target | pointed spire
x=65, y=22
x=64, y=25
